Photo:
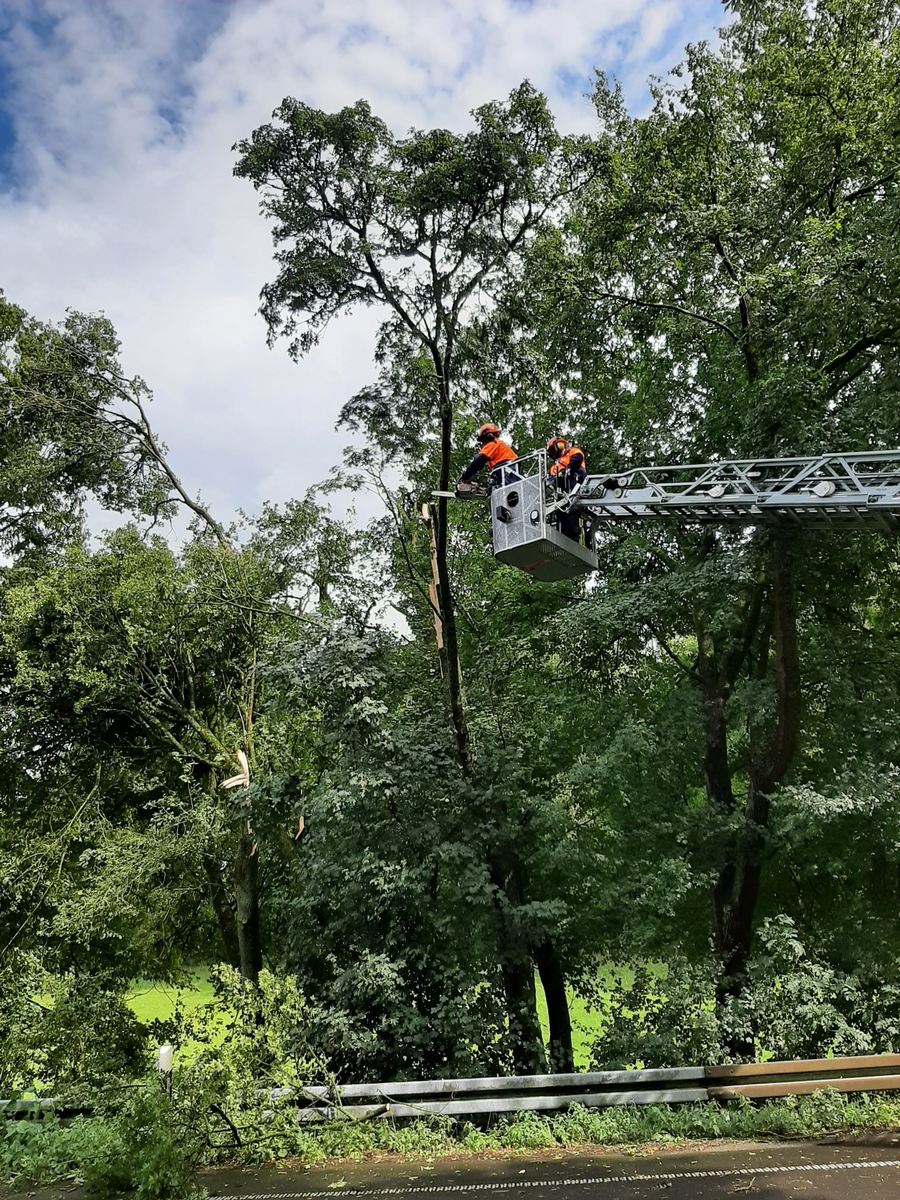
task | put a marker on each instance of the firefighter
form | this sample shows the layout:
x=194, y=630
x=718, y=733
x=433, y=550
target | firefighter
x=492, y=454
x=568, y=470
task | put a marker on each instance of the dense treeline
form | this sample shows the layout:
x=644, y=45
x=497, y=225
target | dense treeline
x=252, y=748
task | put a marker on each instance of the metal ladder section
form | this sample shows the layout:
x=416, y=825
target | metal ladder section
x=832, y=490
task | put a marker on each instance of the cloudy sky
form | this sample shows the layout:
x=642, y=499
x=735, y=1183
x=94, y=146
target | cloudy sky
x=117, y=119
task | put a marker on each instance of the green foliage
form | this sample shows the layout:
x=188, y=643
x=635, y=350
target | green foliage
x=660, y=1019
x=66, y=434
x=230, y=1054
x=392, y=877
x=529, y=1131
x=791, y=1005
x=356, y=212
x=708, y=727
x=795, y=1116
x=134, y=1144
x=65, y=1035
x=36, y=1151
x=150, y=1150
x=147, y=658
x=86, y=1035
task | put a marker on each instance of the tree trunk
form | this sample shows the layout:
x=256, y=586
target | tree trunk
x=715, y=690
x=553, y=981
x=719, y=791
x=516, y=964
x=224, y=913
x=524, y=1030
x=246, y=890
x=450, y=653
x=526, y=1042
x=771, y=754
x=718, y=668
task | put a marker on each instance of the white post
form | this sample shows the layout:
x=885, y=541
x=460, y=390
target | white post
x=164, y=1057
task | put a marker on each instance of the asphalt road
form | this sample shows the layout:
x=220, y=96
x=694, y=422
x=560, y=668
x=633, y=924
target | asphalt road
x=863, y=1168
x=866, y=1167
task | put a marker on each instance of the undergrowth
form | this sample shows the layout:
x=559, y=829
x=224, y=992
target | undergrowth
x=145, y=1150
x=133, y=1145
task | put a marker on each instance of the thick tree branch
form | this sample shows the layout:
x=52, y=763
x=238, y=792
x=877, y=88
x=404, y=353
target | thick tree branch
x=666, y=307
x=743, y=310
x=859, y=347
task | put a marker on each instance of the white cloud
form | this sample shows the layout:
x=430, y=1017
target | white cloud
x=123, y=198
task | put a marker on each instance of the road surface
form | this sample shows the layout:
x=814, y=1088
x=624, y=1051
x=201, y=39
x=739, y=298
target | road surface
x=864, y=1167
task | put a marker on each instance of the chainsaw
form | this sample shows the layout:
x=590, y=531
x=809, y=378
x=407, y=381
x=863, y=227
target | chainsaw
x=464, y=491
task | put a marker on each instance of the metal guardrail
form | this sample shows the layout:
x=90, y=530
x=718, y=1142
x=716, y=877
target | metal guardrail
x=549, y=1093
x=600, y=1089
x=505, y=1094
x=865, y=1073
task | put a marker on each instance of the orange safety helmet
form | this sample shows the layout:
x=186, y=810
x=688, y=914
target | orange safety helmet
x=488, y=432
x=557, y=447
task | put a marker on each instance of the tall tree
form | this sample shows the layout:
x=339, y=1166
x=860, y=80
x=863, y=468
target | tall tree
x=429, y=228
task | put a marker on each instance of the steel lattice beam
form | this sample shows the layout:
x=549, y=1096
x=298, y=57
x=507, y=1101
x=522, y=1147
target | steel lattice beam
x=849, y=490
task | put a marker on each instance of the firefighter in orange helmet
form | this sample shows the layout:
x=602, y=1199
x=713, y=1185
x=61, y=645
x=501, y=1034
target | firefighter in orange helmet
x=568, y=470
x=493, y=454
x=567, y=464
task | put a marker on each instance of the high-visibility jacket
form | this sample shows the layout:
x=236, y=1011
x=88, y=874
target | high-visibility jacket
x=497, y=452
x=566, y=460
x=491, y=454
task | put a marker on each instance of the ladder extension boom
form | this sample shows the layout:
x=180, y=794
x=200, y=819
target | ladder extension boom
x=829, y=490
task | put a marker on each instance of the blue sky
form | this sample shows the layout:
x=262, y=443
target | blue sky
x=117, y=119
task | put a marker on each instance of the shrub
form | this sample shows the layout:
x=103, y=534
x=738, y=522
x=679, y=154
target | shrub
x=791, y=1006
x=233, y=1053
x=147, y=1150
x=134, y=1143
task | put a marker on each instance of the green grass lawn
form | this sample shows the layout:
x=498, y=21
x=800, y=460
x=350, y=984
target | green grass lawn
x=154, y=1001
x=587, y=1024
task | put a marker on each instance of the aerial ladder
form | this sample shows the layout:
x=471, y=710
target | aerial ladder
x=529, y=513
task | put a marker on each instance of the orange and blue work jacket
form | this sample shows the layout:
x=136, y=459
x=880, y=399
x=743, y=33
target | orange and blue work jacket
x=571, y=465
x=491, y=455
